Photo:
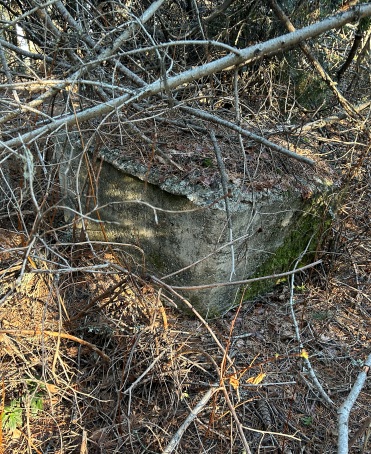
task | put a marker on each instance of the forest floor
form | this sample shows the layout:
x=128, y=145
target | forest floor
x=95, y=360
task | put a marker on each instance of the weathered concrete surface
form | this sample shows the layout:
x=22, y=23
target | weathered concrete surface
x=176, y=224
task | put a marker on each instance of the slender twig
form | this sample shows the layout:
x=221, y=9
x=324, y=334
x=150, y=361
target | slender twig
x=175, y=440
x=28, y=54
x=269, y=432
x=206, y=257
x=185, y=42
x=35, y=332
x=143, y=374
x=197, y=314
x=298, y=336
x=224, y=179
x=236, y=420
x=347, y=406
x=247, y=281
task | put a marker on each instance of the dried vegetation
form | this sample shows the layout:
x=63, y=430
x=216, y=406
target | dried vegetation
x=93, y=356
x=96, y=358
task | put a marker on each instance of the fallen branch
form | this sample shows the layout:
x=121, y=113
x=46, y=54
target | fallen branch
x=139, y=379
x=269, y=432
x=329, y=120
x=347, y=405
x=194, y=412
x=314, y=61
x=244, y=132
x=236, y=420
x=298, y=336
x=32, y=55
x=358, y=36
x=224, y=179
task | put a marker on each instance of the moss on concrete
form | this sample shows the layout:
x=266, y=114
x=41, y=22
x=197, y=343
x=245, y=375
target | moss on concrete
x=311, y=226
x=176, y=223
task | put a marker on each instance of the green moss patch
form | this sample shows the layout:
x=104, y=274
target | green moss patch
x=310, y=227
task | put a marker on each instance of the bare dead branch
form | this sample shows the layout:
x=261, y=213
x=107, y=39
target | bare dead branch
x=314, y=61
x=330, y=120
x=298, y=335
x=236, y=420
x=358, y=35
x=248, y=281
x=191, y=417
x=224, y=178
x=347, y=406
x=244, y=132
x=249, y=54
x=7, y=71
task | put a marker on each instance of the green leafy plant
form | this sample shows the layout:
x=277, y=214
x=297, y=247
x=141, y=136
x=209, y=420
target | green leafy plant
x=207, y=162
x=12, y=415
x=320, y=315
x=307, y=420
x=37, y=404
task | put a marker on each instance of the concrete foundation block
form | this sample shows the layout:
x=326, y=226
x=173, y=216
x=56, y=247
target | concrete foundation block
x=183, y=230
